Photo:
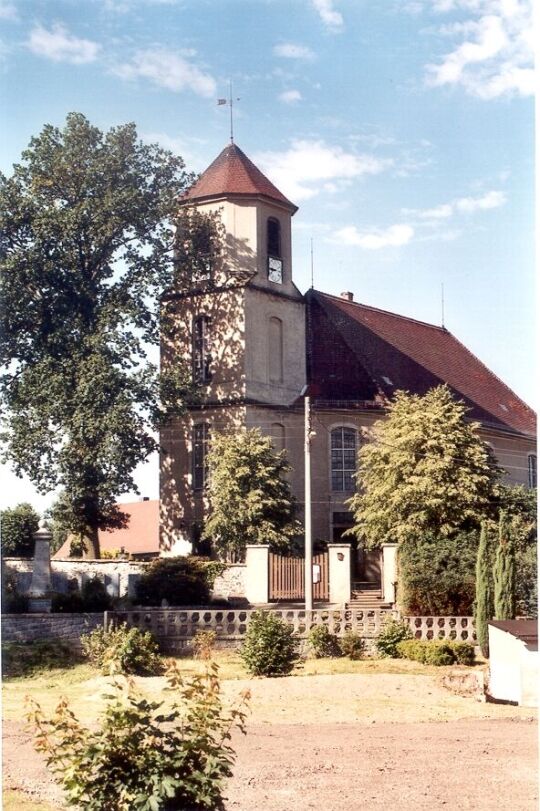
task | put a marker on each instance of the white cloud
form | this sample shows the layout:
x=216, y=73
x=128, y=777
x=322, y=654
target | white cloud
x=302, y=171
x=61, y=46
x=168, y=69
x=8, y=11
x=491, y=199
x=392, y=237
x=331, y=18
x=495, y=55
x=290, y=96
x=291, y=50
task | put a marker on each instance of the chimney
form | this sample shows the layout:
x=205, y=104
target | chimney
x=348, y=295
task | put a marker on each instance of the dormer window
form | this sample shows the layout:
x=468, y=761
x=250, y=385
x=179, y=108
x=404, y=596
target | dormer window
x=273, y=250
x=200, y=350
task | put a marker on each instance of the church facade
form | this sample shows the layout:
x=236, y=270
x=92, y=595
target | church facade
x=257, y=346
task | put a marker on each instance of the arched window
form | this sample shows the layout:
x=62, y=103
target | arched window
x=343, y=449
x=273, y=237
x=200, y=349
x=278, y=436
x=275, y=350
x=532, y=470
x=200, y=442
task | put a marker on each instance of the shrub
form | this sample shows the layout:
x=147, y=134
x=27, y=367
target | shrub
x=13, y=602
x=28, y=658
x=352, y=645
x=144, y=756
x=431, y=652
x=68, y=603
x=392, y=632
x=179, y=581
x=323, y=643
x=270, y=648
x=94, y=595
x=122, y=650
x=203, y=643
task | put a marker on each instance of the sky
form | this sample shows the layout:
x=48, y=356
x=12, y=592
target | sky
x=403, y=130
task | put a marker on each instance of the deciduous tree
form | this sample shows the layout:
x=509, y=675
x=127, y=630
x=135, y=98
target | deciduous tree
x=86, y=250
x=17, y=528
x=250, y=499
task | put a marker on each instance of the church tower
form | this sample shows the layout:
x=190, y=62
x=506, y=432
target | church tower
x=239, y=325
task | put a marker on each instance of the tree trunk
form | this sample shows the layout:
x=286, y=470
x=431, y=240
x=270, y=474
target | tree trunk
x=90, y=541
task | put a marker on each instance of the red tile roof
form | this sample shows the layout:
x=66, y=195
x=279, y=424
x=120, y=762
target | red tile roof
x=378, y=353
x=140, y=535
x=232, y=173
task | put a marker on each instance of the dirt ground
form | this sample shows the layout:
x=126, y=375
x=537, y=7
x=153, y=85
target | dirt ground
x=351, y=742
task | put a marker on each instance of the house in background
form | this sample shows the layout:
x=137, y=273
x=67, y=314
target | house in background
x=139, y=540
x=257, y=345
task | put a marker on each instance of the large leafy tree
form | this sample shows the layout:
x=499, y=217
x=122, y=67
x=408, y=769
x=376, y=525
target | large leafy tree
x=250, y=498
x=425, y=470
x=85, y=251
x=17, y=527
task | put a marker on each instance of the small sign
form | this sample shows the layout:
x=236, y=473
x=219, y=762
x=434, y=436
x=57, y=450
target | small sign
x=316, y=573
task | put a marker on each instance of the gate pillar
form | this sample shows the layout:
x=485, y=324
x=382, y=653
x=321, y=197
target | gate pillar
x=257, y=575
x=339, y=571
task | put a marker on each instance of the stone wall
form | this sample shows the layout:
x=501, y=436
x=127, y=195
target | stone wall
x=232, y=583
x=33, y=627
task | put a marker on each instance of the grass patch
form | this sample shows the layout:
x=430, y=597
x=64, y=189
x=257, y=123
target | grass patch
x=31, y=658
x=18, y=801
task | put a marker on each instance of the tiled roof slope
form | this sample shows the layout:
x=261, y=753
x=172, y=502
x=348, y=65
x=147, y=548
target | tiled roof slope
x=232, y=173
x=377, y=352
x=141, y=535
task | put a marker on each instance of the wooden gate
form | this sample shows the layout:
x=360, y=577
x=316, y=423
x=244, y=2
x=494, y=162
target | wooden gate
x=287, y=578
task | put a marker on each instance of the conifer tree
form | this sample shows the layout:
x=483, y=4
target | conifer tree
x=484, y=596
x=504, y=573
x=250, y=500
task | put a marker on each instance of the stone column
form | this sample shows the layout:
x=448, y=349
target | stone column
x=339, y=572
x=40, y=587
x=389, y=572
x=257, y=574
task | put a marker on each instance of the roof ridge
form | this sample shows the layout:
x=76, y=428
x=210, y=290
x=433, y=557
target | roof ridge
x=387, y=312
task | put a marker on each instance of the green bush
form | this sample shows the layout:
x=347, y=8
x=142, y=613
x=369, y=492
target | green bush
x=29, y=658
x=92, y=598
x=392, y=632
x=144, y=756
x=352, y=645
x=431, y=652
x=70, y=602
x=178, y=580
x=270, y=648
x=322, y=643
x=13, y=602
x=122, y=650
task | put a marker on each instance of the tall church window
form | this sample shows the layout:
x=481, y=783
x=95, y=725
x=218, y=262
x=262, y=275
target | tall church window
x=343, y=449
x=275, y=350
x=273, y=237
x=532, y=470
x=278, y=436
x=200, y=443
x=200, y=349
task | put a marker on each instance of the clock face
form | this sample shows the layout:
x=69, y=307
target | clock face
x=275, y=270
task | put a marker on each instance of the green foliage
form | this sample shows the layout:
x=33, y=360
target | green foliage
x=92, y=598
x=483, y=604
x=352, y=645
x=122, y=650
x=86, y=242
x=426, y=470
x=270, y=648
x=30, y=658
x=203, y=644
x=250, y=500
x=178, y=580
x=323, y=643
x=504, y=574
x=13, y=602
x=437, y=574
x=392, y=632
x=439, y=653
x=17, y=528
x=144, y=756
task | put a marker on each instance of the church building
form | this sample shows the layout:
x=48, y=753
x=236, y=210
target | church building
x=257, y=346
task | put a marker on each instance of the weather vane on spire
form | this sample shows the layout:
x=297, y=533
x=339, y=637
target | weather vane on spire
x=229, y=101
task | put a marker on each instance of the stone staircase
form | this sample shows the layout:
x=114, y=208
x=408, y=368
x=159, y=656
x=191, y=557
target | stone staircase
x=367, y=596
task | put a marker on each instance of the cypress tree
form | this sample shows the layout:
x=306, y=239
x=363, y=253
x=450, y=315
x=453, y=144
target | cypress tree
x=504, y=573
x=484, y=597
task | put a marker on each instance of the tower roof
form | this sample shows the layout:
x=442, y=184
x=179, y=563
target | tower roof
x=233, y=173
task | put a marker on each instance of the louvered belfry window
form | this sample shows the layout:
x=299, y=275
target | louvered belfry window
x=201, y=350
x=200, y=442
